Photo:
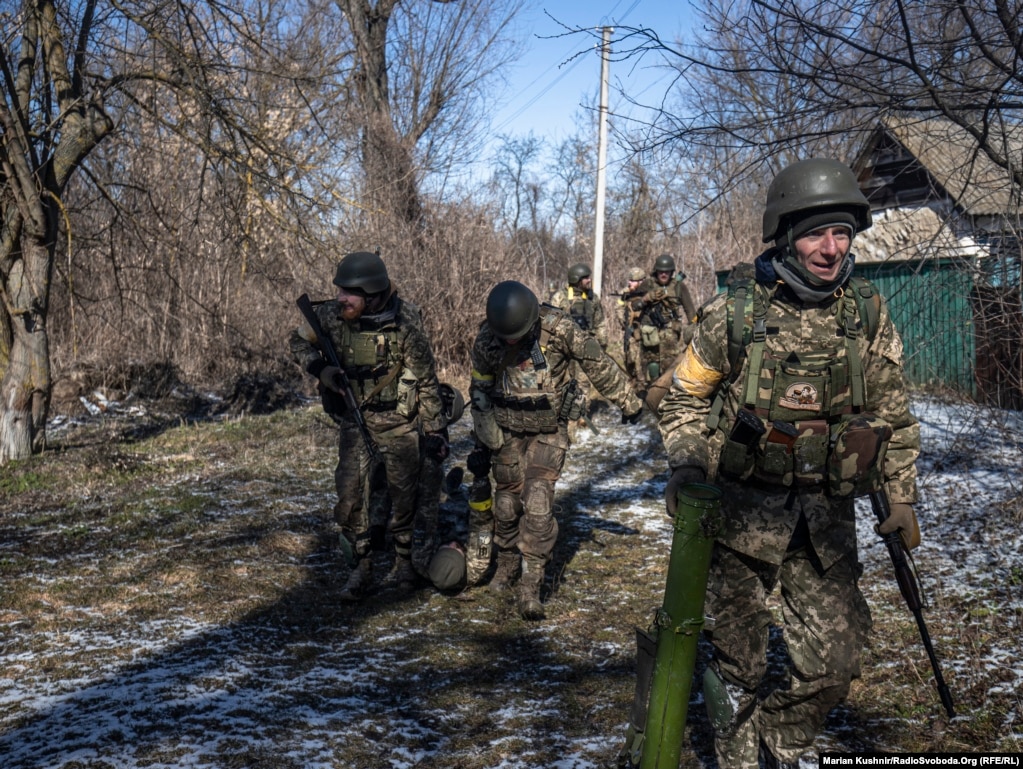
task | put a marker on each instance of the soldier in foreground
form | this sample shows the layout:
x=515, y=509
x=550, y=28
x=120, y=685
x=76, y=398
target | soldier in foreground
x=800, y=408
x=522, y=397
x=386, y=358
x=660, y=314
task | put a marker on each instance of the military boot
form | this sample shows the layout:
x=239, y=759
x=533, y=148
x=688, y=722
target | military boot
x=507, y=572
x=359, y=581
x=403, y=575
x=527, y=597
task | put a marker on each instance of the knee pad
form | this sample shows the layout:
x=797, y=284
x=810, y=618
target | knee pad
x=506, y=506
x=729, y=705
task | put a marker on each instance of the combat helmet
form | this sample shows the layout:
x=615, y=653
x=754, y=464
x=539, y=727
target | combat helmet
x=811, y=193
x=452, y=401
x=512, y=309
x=664, y=263
x=362, y=270
x=577, y=272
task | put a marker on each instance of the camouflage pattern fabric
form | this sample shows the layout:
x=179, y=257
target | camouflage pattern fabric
x=584, y=308
x=826, y=624
x=661, y=314
x=527, y=465
x=799, y=537
x=396, y=435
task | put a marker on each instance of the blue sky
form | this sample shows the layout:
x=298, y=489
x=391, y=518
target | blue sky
x=548, y=86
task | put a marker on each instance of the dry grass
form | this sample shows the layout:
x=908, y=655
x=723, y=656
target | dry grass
x=170, y=599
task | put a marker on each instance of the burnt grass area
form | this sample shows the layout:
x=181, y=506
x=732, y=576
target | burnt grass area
x=170, y=584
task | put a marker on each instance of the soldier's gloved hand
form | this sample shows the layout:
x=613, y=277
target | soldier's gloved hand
x=330, y=378
x=902, y=519
x=633, y=418
x=436, y=446
x=679, y=478
x=478, y=461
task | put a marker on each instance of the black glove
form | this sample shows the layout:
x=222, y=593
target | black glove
x=478, y=461
x=330, y=377
x=679, y=478
x=632, y=419
x=436, y=446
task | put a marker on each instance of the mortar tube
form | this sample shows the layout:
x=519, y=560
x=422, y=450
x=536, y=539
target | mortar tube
x=678, y=624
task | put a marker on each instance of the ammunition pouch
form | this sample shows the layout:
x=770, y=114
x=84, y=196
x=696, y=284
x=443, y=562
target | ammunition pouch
x=649, y=336
x=526, y=414
x=573, y=403
x=856, y=464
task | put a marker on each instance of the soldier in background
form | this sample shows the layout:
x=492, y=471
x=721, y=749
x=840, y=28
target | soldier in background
x=662, y=311
x=383, y=348
x=629, y=319
x=581, y=303
x=822, y=364
x=522, y=397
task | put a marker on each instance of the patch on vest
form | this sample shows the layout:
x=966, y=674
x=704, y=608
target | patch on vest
x=800, y=396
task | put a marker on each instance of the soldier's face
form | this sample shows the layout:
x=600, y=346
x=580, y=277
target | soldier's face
x=586, y=283
x=663, y=277
x=823, y=251
x=634, y=284
x=353, y=303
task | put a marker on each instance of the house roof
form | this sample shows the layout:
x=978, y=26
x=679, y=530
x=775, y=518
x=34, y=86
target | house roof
x=951, y=156
x=905, y=234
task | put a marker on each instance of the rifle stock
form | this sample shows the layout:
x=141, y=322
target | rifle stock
x=327, y=347
x=911, y=592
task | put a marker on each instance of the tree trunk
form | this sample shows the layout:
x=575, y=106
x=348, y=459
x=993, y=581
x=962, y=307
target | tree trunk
x=25, y=386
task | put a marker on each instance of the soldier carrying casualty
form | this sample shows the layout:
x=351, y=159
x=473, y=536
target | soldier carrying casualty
x=522, y=397
x=376, y=371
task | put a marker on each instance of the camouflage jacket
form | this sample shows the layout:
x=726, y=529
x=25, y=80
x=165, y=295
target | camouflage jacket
x=704, y=369
x=664, y=306
x=584, y=308
x=501, y=372
x=406, y=348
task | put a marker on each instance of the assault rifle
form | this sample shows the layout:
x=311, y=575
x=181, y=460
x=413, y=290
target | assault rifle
x=327, y=347
x=911, y=592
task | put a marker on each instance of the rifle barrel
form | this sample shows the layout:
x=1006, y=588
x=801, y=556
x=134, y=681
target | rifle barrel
x=911, y=592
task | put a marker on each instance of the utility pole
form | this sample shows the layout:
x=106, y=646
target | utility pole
x=598, y=227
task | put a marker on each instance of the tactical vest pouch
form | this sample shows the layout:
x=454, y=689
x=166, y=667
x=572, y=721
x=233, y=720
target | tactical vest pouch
x=407, y=397
x=736, y=460
x=650, y=336
x=794, y=454
x=526, y=414
x=801, y=388
x=856, y=465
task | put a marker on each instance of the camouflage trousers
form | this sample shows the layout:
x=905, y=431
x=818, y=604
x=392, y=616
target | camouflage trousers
x=663, y=354
x=525, y=471
x=360, y=485
x=826, y=621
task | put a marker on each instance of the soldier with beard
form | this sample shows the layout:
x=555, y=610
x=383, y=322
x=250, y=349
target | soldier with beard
x=385, y=353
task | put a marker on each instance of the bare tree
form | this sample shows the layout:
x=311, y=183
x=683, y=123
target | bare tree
x=769, y=78
x=72, y=73
x=417, y=76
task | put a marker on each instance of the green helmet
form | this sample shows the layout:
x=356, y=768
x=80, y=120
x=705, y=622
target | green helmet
x=362, y=270
x=817, y=188
x=577, y=272
x=512, y=309
x=664, y=263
